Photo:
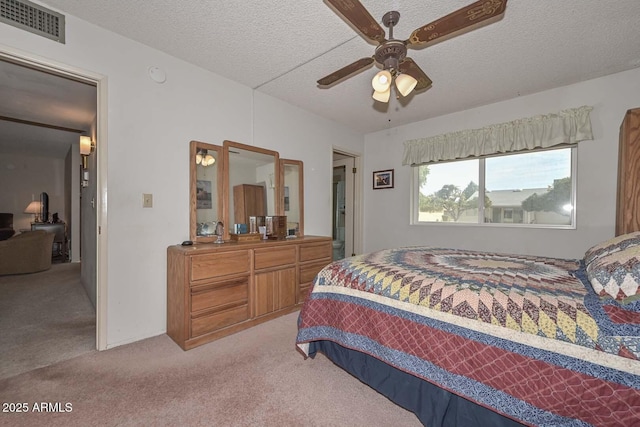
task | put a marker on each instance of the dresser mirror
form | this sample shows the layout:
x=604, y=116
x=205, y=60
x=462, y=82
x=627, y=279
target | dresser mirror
x=205, y=190
x=252, y=183
x=292, y=178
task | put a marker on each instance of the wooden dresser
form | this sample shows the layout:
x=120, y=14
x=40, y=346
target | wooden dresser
x=628, y=197
x=216, y=290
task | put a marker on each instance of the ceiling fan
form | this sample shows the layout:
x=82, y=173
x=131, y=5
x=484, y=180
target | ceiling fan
x=391, y=54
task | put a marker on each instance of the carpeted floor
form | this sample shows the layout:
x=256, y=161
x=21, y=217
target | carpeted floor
x=45, y=318
x=253, y=378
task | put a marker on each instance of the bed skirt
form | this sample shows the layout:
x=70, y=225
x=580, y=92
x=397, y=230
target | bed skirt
x=434, y=406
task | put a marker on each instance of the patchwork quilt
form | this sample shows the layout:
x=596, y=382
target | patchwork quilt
x=524, y=336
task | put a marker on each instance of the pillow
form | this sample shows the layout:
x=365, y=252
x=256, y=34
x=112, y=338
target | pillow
x=617, y=275
x=612, y=245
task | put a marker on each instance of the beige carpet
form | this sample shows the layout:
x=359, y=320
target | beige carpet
x=45, y=318
x=252, y=378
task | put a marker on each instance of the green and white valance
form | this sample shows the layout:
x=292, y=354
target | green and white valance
x=567, y=127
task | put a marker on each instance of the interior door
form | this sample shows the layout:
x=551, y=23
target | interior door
x=343, y=205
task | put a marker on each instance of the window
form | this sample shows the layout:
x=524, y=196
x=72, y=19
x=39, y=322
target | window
x=529, y=189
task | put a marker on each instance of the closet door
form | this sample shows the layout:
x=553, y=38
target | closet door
x=628, y=196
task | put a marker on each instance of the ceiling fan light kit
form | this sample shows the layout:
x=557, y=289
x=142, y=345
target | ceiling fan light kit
x=391, y=54
x=381, y=84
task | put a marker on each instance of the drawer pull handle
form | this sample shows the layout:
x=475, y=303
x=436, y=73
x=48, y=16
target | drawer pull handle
x=221, y=286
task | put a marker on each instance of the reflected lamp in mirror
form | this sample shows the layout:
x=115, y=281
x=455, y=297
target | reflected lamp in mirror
x=204, y=158
x=34, y=208
x=206, y=196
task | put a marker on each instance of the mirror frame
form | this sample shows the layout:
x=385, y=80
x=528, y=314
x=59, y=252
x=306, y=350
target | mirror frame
x=278, y=202
x=193, y=203
x=283, y=163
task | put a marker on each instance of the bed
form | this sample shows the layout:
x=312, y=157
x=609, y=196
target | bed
x=468, y=338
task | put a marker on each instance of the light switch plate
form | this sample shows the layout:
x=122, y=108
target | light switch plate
x=147, y=200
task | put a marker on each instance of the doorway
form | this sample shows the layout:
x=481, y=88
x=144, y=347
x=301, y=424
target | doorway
x=345, y=217
x=86, y=208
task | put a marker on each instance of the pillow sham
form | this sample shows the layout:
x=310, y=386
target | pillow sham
x=615, y=244
x=617, y=275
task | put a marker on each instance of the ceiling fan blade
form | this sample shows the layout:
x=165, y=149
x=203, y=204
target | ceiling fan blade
x=354, y=12
x=343, y=72
x=462, y=19
x=409, y=67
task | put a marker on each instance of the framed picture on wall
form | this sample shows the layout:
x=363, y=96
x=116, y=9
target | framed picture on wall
x=383, y=179
x=203, y=194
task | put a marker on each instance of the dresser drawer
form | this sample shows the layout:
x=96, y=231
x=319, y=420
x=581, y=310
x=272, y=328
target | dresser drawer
x=207, y=266
x=211, y=322
x=274, y=257
x=311, y=252
x=234, y=293
x=309, y=271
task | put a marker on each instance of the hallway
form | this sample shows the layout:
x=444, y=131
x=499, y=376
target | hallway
x=45, y=318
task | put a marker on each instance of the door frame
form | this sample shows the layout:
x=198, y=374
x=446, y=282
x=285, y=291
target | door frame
x=100, y=81
x=357, y=196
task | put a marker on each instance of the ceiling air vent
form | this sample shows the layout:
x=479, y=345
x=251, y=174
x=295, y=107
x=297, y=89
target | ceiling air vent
x=34, y=18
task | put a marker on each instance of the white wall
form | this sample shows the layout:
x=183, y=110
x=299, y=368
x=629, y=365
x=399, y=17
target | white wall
x=387, y=211
x=23, y=178
x=149, y=129
x=299, y=135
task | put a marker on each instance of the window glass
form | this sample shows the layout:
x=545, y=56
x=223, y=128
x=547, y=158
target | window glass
x=533, y=188
x=449, y=192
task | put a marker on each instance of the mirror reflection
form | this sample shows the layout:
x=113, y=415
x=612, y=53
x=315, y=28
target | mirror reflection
x=252, y=183
x=205, y=190
x=292, y=197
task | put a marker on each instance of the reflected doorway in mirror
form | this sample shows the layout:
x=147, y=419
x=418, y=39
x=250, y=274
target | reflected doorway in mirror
x=286, y=199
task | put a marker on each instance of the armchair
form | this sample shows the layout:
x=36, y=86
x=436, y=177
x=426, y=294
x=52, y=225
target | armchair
x=28, y=252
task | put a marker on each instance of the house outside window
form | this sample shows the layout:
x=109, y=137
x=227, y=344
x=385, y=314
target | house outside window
x=532, y=189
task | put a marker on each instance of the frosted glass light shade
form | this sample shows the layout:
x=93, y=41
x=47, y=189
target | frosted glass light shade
x=381, y=81
x=198, y=158
x=86, y=145
x=405, y=84
x=382, y=96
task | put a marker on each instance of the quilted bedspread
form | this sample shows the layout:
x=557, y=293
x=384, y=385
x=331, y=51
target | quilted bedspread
x=524, y=336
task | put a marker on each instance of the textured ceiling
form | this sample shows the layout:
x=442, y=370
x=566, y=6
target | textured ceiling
x=282, y=48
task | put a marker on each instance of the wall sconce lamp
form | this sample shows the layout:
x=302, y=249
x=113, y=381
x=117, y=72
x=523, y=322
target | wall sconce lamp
x=87, y=146
x=204, y=158
x=34, y=208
